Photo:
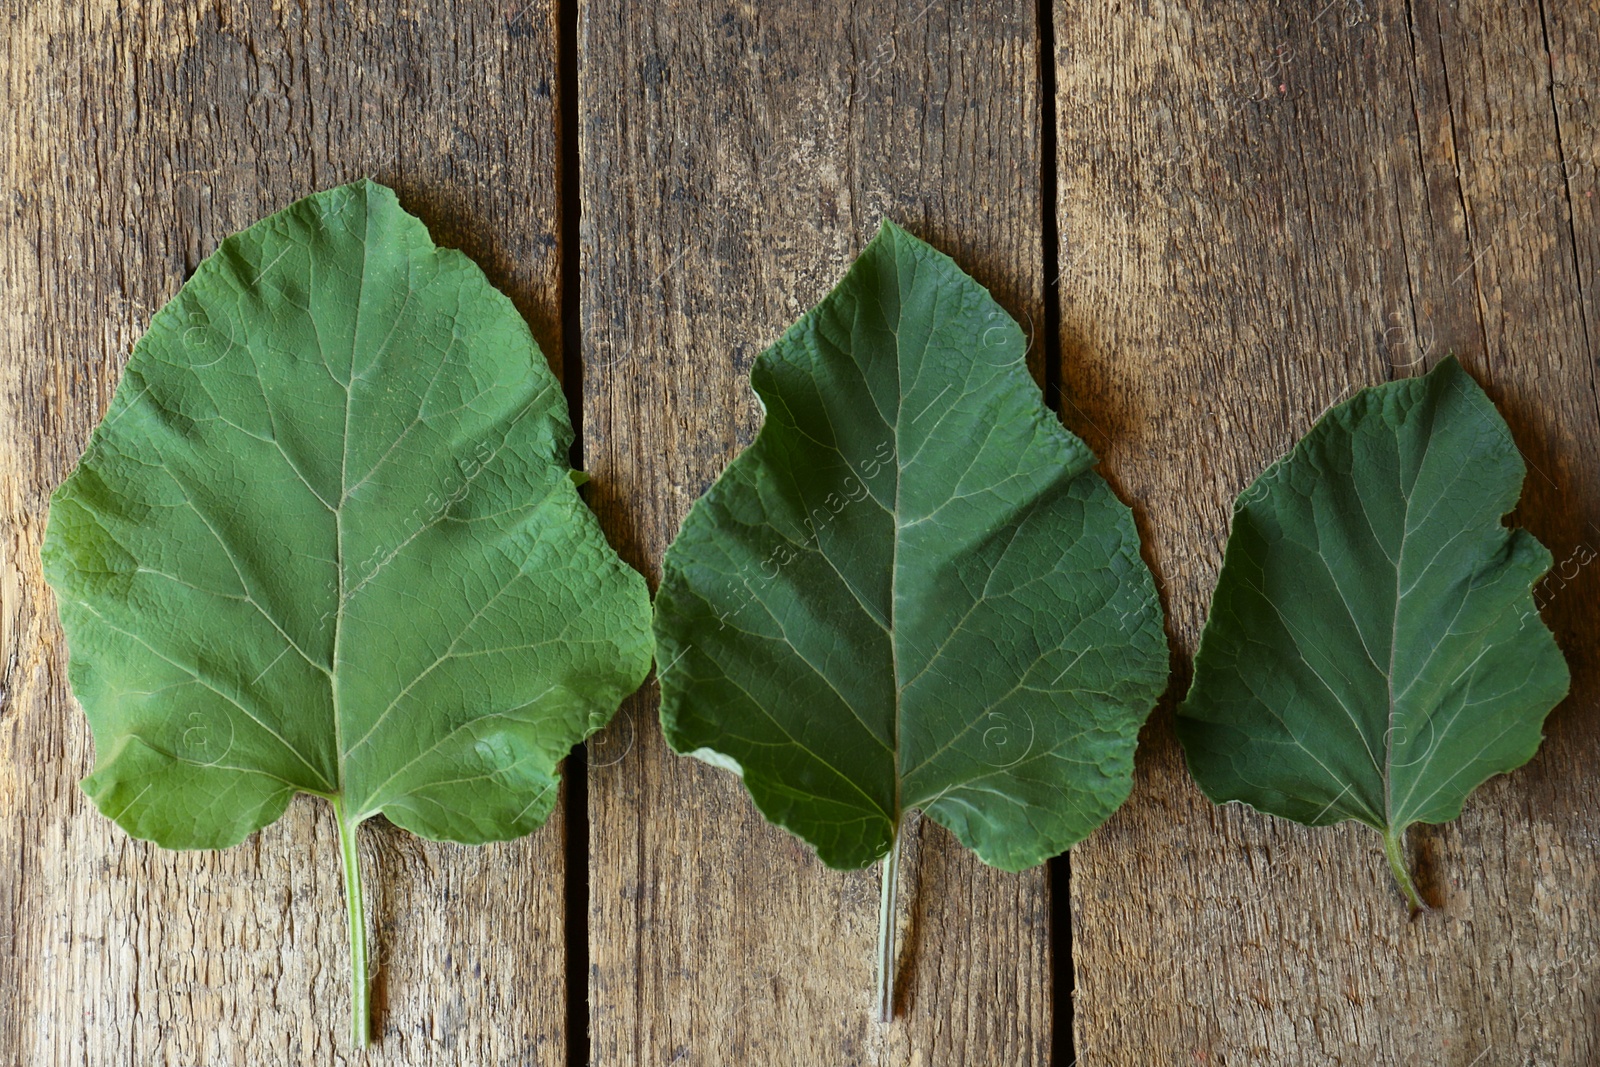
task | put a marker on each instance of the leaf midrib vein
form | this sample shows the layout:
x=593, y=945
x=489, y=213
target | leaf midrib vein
x=1407, y=493
x=338, y=513
x=894, y=547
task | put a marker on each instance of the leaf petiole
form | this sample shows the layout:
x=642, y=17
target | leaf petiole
x=889, y=890
x=1394, y=849
x=356, y=914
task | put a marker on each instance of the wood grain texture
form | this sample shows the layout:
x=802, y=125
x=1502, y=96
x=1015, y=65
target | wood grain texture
x=138, y=136
x=1262, y=208
x=735, y=158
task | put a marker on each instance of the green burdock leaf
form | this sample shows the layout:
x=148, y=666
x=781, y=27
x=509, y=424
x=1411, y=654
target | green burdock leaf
x=912, y=590
x=325, y=541
x=1373, y=650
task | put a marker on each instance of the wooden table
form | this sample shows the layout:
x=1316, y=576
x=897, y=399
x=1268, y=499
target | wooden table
x=1214, y=220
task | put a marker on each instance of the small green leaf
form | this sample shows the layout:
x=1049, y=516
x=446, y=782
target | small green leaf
x=912, y=590
x=325, y=541
x=1373, y=650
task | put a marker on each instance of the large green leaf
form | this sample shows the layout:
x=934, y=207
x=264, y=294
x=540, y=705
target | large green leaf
x=912, y=590
x=326, y=541
x=1373, y=650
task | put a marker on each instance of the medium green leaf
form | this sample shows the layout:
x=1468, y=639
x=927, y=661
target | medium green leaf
x=1373, y=650
x=912, y=590
x=325, y=541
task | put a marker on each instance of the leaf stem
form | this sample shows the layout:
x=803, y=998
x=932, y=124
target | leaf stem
x=1394, y=848
x=889, y=890
x=356, y=914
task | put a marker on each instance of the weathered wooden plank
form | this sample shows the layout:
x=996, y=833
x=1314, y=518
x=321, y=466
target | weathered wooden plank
x=1263, y=207
x=138, y=136
x=735, y=157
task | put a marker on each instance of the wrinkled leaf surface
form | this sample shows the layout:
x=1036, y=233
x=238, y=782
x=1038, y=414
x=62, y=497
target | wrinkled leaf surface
x=1373, y=650
x=325, y=541
x=912, y=590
